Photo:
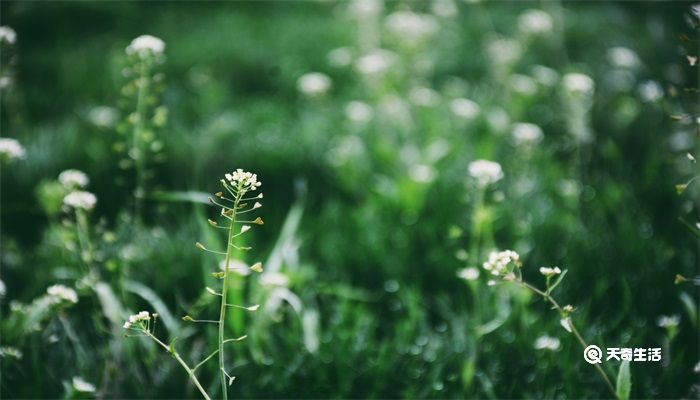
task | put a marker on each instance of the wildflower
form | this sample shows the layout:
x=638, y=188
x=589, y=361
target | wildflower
x=485, y=172
x=63, y=293
x=364, y=8
x=526, y=133
x=422, y=173
x=375, y=62
x=80, y=200
x=469, y=273
x=668, y=321
x=548, y=343
x=577, y=83
x=498, y=262
x=545, y=75
x=314, y=84
x=464, y=108
x=358, y=111
x=546, y=271
x=8, y=35
x=622, y=57
x=145, y=45
x=242, y=180
x=340, y=57
x=522, y=84
x=504, y=51
x=568, y=308
x=650, y=91
x=410, y=27
x=11, y=149
x=81, y=385
x=137, y=319
x=103, y=116
x=535, y=22
x=424, y=97
x=9, y=351
x=444, y=8
x=72, y=179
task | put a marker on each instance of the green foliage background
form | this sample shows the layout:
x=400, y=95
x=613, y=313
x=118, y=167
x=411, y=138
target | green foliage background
x=368, y=250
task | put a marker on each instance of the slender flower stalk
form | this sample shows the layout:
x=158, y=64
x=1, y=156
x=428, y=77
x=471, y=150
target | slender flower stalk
x=505, y=266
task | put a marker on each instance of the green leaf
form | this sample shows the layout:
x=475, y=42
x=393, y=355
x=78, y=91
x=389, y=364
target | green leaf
x=680, y=188
x=171, y=346
x=190, y=196
x=624, y=381
x=558, y=281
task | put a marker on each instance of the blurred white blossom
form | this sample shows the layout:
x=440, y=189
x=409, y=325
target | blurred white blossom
x=444, y=8
x=11, y=148
x=340, y=57
x=548, y=343
x=535, y=22
x=375, y=62
x=622, y=57
x=424, y=97
x=668, y=321
x=485, y=172
x=73, y=179
x=544, y=75
x=409, y=27
x=577, y=83
x=83, y=386
x=8, y=35
x=547, y=271
x=80, y=200
x=314, y=84
x=469, y=273
x=650, y=91
x=63, y=293
x=145, y=45
x=464, y=108
x=103, y=116
x=498, y=261
x=526, y=133
x=358, y=111
x=272, y=279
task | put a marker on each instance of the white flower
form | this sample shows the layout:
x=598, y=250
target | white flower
x=410, y=27
x=485, y=172
x=545, y=75
x=504, y=51
x=498, y=261
x=578, y=83
x=242, y=180
x=622, y=57
x=145, y=45
x=464, y=108
x=63, y=293
x=535, y=22
x=103, y=116
x=8, y=35
x=444, y=8
x=424, y=97
x=546, y=271
x=80, y=199
x=375, y=62
x=526, y=133
x=11, y=148
x=547, y=342
x=358, y=111
x=82, y=385
x=422, y=173
x=522, y=84
x=274, y=279
x=650, y=91
x=340, y=57
x=365, y=8
x=314, y=84
x=668, y=321
x=469, y=273
x=72, y=179
x=137, y=319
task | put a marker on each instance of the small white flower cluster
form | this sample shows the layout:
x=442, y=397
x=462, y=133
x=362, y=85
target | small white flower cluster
x=526, y=133
x=73, y=179
x=375, y=62
x=314, y=84
x=498, y=261
x=243, y=180
x=468, y=274
x=547, y=343
x=410, y=27
x=80, y=199
x=11, y=148
x=535, y=22
x=63, y=293
x=668, y=321
x=485, y=172
x=137, y=319
x=8, y=35
x=145, y=45
x=464, y=108
x=547, y=271
x=83, y=386
x=577, y=83
x=358, y=111
x=622, y=57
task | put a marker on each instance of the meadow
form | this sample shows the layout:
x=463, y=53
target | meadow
x=451, y=199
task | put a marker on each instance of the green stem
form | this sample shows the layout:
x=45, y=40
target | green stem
x=136, y=140
x=182, y=362
x=224, y=292
x=575, y=331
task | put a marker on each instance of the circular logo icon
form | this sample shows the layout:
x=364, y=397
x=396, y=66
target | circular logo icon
x=593, y=354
